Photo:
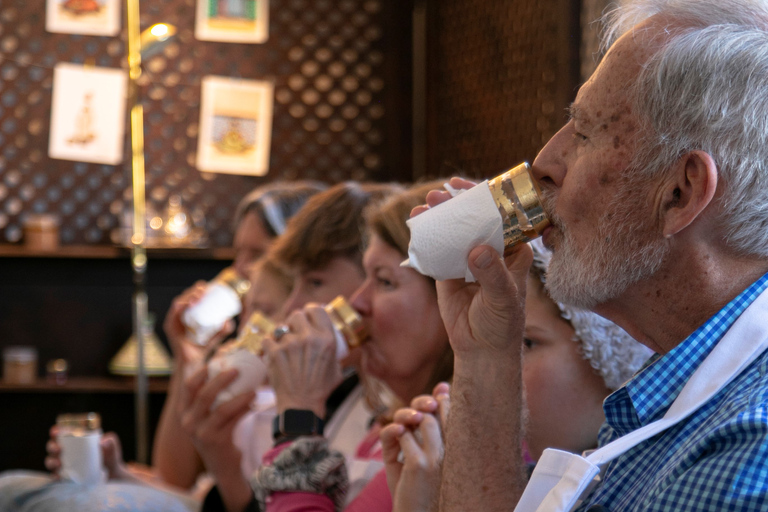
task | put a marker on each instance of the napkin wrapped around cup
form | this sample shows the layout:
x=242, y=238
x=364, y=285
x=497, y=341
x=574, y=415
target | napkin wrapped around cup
x=443, y=236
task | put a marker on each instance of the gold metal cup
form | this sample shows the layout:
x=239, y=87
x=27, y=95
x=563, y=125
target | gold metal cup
x=253, y=333
x=343, y=316
x=347, y=321
x=518, y=198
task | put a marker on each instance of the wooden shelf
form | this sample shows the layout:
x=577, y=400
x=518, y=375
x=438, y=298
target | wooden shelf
x=86, y=385
x=113, y=251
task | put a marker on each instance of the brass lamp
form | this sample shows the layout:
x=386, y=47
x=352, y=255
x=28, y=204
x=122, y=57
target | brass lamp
x=140, y=44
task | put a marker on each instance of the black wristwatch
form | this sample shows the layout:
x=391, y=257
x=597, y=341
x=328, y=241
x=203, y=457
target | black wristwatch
x=297, y=422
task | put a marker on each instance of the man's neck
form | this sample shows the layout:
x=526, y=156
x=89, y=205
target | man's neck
x=661, y=312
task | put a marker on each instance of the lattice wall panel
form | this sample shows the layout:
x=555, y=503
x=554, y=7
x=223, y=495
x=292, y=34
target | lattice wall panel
x=341, y=111
x=502, y=75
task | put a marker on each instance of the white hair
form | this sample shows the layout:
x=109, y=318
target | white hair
x=706, y=88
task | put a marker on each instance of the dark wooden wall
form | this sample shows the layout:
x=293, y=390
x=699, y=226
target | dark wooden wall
x=500, y=74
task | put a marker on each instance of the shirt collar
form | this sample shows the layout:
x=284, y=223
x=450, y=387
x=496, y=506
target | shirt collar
x=654, y=389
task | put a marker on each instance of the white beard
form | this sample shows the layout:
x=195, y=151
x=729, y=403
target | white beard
x=624, y=249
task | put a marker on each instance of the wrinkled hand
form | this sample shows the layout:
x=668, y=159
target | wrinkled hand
x=186, y=352
x=413, y=452
x=303, y=369
x=111, y=451
x=488, y=315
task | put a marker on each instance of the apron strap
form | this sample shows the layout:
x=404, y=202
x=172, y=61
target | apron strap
x=744, y=342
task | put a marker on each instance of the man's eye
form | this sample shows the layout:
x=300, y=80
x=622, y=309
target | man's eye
x=580, y=137
x=315, y=283
x=528, y=342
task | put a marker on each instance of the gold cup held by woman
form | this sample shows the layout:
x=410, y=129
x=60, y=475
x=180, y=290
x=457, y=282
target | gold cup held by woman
x=346, y=321
x=245, y=352
x=256, y=328
x=518, y=198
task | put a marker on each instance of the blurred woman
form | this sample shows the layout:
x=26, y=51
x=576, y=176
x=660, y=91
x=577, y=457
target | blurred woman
x=321, y=252
x=407, y=349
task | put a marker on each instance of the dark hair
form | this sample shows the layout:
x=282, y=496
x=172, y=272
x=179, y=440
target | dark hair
x=329, y=225
x=277, y=202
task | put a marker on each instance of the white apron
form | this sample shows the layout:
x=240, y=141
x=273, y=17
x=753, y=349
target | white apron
x=561, y=478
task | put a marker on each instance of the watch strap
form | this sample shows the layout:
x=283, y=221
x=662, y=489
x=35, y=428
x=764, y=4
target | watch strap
x=293, y=423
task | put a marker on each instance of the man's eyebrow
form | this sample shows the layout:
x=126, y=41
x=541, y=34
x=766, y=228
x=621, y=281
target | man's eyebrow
x=575, y=112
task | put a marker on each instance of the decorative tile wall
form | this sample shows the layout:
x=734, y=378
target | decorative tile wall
x=342, y=111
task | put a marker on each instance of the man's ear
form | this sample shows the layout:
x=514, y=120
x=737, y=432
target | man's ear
x=688, y=192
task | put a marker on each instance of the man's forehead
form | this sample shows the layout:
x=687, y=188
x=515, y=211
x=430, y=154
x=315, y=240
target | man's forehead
x=607, y=91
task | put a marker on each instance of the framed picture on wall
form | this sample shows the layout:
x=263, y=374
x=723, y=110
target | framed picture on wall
x=89, y=17
x=232, y=21
x=88, y=114
x=235, y=126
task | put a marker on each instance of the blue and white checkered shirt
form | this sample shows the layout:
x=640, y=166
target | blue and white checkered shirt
x=715, y=460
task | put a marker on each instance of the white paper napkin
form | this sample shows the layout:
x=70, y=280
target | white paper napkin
x=442, y=237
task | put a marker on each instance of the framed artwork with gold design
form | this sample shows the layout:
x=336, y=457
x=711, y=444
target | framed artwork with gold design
x=88, y=114
x=235, y=126
x=89, y=17
x=232, y=21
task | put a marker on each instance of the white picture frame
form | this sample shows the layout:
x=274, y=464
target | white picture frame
x=88, y=114
x=232, y=21
x=88, y=17
x=235, y=126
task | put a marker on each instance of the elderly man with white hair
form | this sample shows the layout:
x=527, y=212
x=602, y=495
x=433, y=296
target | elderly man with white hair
x=657, y=189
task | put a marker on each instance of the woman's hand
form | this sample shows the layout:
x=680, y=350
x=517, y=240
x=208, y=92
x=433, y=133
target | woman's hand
x=53, y=453
x=186, y=352
x=303, y=369
x=413, y=452
x=111, y=452
x=211, y=431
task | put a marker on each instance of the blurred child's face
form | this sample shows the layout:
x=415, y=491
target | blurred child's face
x=563, y=393
x=267, y=294
x=341, y=276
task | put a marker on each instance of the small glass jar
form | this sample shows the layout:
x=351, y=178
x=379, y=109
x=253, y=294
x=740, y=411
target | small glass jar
x=56, y=371
x=79, y=438
x=19, y=364
x=518, y=198
x=221, y=301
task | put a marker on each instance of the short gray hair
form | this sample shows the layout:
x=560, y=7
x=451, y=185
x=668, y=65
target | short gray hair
x=706, y=88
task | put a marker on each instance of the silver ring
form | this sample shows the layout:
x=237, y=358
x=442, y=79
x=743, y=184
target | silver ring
x=280, y=331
